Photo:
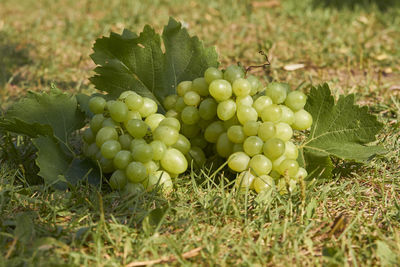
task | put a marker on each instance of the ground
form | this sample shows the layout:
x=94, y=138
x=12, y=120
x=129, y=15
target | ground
x=353, y=219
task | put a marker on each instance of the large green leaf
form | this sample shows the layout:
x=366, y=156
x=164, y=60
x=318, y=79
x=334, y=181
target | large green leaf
x=138, y=63
x=55, y=109
x=343, y=130
x=58, y=169
x=51, y=118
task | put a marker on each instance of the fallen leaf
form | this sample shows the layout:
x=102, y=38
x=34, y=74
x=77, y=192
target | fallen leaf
x=292, y=67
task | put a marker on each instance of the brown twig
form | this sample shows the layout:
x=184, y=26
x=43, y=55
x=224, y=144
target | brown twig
x=186, y=255
x=259, y=66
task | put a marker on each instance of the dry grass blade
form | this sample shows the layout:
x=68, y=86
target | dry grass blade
x=186, y=255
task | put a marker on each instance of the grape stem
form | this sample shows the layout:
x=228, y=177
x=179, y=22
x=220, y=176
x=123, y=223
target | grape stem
x=267, y=63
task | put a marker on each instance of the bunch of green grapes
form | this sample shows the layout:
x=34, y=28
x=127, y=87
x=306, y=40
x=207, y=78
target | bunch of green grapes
x=247, y=124
x=140, y=147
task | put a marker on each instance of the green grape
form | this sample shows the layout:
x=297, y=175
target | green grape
x=236, y=134
x=203, y=124
x=191, y=98
x=97, y=105
x=250, y=128
x=283, y=131
x=296, y=100
x=160, y=178
x=200, y=86
x=125, y=141
x=142, y=153
x=220, y=89
x=96, y=122
x=199, y=141
x=274, y=148
x=208, y=109
x=137, y=142
x=256, y=85
x=110, y=148
x=260, y=165
x=122, y=159
x=241, y=87
x=232, y=121
x=132, y=115
x=239, y=161
x=237, y=148
x=274, y=174
x=291, y=150
x=183, y=144
x=263, y=182
x=105, y=134
x=133, y=189
x=110, y=123
x=151, y=166
x=172, y=113
x=261, y=103
x=287, y=115
x=271, y=113
x=224, y=146
x=266, y=130
x=244, y=101
x=137, y=128
x=253, y=145
x=180, y=104
x=136, y=172
x=154, y=120
x=106, y=165
x=212, y=74
x=170, y=101
x=276, y=91
x=166, y=134
x=171, y=122
x=190, y=131
x=134, y=102
x=149, y=107
x=190, y=115
x=196, y=156
x=109, y=103
x=244, y=181
x=288, y=167
x=301, y=174
x=246, y=113
x=277, y=162
x=159, y=149
x=174, y=161
x=302, y=120
x=118, y=180
x=183, y=87
x=91, y=150
x=118, y=111
x=213, y=131
x=125, y=94
x=88, y=136
x=226, y=109
x=232, y=73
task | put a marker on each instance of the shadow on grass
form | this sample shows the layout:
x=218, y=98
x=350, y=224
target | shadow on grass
x=12, y=56
x=383, y=5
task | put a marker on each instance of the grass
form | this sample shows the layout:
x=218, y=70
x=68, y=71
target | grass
x=351, y=220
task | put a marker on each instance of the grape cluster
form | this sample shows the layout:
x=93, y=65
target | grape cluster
x=245, y=123
x=140, y=147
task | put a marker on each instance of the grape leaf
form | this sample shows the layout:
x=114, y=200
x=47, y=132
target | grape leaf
x=50, y=118
x=342, y=130
x=55, y=109
x=132, y=62
x=58, y=169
